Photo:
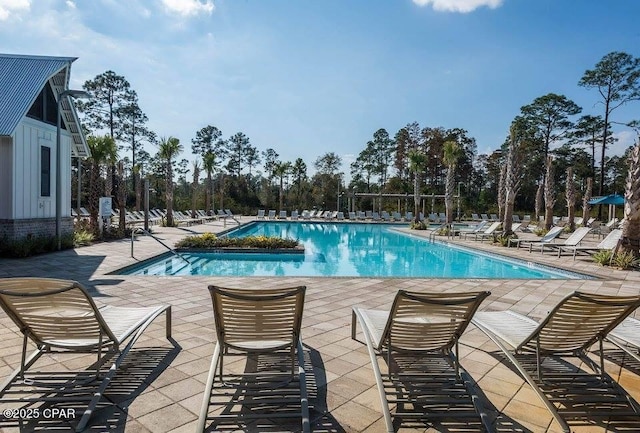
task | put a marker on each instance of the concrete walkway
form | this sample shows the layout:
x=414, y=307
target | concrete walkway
x=160, y=390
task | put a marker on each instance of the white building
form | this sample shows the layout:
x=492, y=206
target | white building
x=29, y=90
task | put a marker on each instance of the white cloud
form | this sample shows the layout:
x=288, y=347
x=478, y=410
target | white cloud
x=188, y=8
x=8, y=7
x=70, y=4
x=463, y=6
x=624, y=139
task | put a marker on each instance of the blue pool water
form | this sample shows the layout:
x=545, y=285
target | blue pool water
x=362, y=250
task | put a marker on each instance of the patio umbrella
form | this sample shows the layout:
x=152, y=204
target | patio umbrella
x=612, y=200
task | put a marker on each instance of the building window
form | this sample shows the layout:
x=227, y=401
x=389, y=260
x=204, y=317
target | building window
x=45, y=107
x=45, y=171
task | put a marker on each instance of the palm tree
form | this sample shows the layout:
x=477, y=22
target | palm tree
x=513, y=174
x=194, y=187
x=169, y=148
x=281, y=170
x=570, y=195
x=452, y=152
x=549, y=196
x=417, y=162
x=538, y=202
x=103, y=149
x=585, y=200
x=209, y=164
x=631, y=222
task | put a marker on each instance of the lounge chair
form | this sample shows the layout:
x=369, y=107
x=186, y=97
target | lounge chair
x=550, y=236
x=409, y=216
x=282, y=215
x=340, y=216
x=570, y=329
x=272, y=214
x=294, y=215
x=480, y=227
x=306, y=214
x=494, y=217
x=608, y=243
x=515, y=218
x=627, y=337
x=375, y=216
x=384, y=215
x=257, y=321
x=60, y=314
x=417, y=324
x=574, y=239
x=352, y=216
x=488, y=232
x=260, y=214
x=475, y=217
x=484, y=217
x=361, y=215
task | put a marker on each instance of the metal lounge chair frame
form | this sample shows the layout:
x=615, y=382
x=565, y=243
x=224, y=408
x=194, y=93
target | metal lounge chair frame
x=418, y=323
x=574, y=239
x=60, y=314
x=257, y=321
x=610, y=242
x=626, y=336
x=571, y=328
x=548, y=237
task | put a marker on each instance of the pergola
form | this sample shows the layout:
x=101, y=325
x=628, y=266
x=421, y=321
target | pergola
x=398, y=197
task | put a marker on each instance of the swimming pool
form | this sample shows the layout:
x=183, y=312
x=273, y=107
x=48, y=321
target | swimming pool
x=348, y=250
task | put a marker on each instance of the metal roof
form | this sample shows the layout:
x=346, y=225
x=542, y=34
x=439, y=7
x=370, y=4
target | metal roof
x=21, y=80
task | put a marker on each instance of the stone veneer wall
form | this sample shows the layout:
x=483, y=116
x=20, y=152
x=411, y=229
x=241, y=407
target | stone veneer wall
x=19, y=229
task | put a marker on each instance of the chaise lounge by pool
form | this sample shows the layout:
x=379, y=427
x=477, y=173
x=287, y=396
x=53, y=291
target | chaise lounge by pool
x=347, y=250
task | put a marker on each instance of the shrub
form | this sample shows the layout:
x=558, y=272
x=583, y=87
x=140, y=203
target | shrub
x=82, y=238
x=625, y=260
x=209, y=240
x=504, y=239
x=420, y=225
x=603, y=257
x=31, y=245
x=541, y=231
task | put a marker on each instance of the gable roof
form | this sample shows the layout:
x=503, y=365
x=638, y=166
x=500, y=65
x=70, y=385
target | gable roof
x=21, y=80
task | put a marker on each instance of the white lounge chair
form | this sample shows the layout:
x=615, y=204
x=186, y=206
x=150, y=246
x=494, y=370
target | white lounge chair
x=60, y=316
x=570, y=329
x=257, y=321
x=418, y=324
x=548, y=237
x=260, y=214
x=488, y=232
x=574, y=239
x=609, y=243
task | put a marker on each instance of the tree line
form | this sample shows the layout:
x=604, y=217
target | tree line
x=552, y=147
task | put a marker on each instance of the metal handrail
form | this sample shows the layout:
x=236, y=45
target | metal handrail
x=146, y=232
x=432, y=235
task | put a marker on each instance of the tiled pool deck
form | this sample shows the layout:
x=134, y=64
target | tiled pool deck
x=164, y=392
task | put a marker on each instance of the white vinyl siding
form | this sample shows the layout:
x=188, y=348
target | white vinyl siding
x=29, y=136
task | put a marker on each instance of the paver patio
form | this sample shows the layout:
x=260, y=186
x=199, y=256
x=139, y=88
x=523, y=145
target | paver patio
x=160, y=388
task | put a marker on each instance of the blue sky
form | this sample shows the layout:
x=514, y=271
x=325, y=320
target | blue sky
x=310, y=77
